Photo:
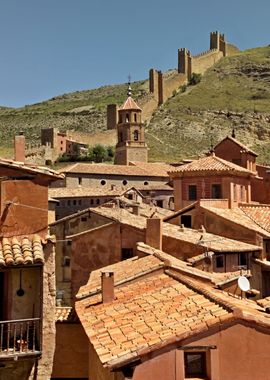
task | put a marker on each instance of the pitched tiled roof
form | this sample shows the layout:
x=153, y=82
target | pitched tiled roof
x=156, y=167
x=260, y=214
x=153, y=311
x=238, y=216
x=33, y=169
x=67, y=192
x=28, y=250
x=123, y=170
x=244, y=147
x=130, y=104
x=144, y=314
x=211, y=163
x=127, y=270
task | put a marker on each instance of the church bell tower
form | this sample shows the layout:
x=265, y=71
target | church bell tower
x=131, y=144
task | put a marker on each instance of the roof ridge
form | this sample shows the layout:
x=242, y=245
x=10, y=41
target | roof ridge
x=255, y=221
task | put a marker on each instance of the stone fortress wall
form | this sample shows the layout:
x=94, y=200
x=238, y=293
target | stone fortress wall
x=163, y=85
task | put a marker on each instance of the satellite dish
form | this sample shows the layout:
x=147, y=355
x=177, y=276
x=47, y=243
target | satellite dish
x=243, y=283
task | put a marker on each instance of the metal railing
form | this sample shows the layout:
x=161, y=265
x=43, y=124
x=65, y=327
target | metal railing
x=20, y=337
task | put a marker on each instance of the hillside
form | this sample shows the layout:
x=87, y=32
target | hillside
x=235, y=93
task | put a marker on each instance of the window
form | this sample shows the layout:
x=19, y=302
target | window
x=136, y=135
x=127, y=117
x=195, y=364
x=130, y=196
x=192, y=193
x=219, y=261
x=159, y=203
x=135, y=117
x=243, y=259
x=97, y=201
x=216, y=191
x=91, y=201
x=80, y=180
x=186, y=221
x=127, y=253
x=124, y=182
x=120, y=136
x=103, y=182
x=83, y=219
x=145, y=183
x=79, y=202
x=68, y=202
x=74, y=202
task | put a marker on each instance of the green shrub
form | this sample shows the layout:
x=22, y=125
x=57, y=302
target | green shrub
x=195, y=79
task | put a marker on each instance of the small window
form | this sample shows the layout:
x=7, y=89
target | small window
x=186, y=221
x=127, y=117
x=79, y=202
x=219, y=261
x=80, y=180
x=127, y=253
x=195, y=364
x=61, y=148
x=103, y=182
x=216, y=191
x=91, y=201
x=61, y=142
x=68, y=202
x=243, y=259
x=74, y=202
x=136, y=135
x=124, y=182
x=135, y=117
x=192, y=193
x=98, y=201
x=83, y=219
x=159, y=203
x=130, y=196
x=146, y=183
x=66, y=261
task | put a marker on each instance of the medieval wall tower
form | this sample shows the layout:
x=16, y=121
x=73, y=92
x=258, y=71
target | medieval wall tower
x=131, y=144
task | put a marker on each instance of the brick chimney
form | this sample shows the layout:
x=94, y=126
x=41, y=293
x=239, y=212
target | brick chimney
x=107, y=286
x=154, y=232
x=19, y=147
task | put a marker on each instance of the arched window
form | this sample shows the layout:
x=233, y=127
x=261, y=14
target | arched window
x=136, y=135
x=127, y=117
x=135, y=117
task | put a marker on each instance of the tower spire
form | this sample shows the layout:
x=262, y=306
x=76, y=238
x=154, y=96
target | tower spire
x=129, y=91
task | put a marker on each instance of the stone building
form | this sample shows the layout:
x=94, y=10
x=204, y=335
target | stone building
x=131, y=144
x=27, y=283
x=148, y=318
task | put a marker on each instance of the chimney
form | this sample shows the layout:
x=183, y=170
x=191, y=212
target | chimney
x=107, y=286
x=135, y=209
x=154, y=232
x=19, y=147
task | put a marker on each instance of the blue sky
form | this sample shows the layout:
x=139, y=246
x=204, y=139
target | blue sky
x=53, y=47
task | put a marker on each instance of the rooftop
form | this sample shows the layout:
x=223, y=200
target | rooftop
x=66, y=192
x=32, y=169
x=121, y=170
x=130, y=104
x=25, y=251
x=255, y=218
x=153, y=311
x=211, y=163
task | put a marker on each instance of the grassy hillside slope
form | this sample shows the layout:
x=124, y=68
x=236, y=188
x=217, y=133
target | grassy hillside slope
x=235, y=93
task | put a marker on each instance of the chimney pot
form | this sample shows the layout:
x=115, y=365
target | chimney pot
x=107, y=286
x=154, y=233
x=19, y=148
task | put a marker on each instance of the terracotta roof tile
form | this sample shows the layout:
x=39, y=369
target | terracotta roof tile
x=130, y=104
x=128, y=170
x=30, y=168
x=249, y=217
x=66, y=192
x=260, y=214
x=145, y=313
x=156, y=167
x=211, y=163
x=65, y=314
x=21, y=252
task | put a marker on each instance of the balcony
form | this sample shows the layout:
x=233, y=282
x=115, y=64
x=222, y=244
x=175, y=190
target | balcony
x=20, y=338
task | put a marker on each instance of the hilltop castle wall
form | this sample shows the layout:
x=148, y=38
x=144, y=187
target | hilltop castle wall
x=163, y=85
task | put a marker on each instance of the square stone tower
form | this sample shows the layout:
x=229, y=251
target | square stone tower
x=131, y=144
